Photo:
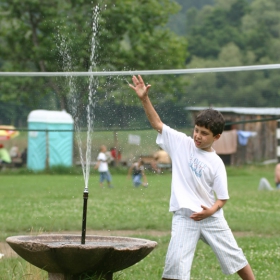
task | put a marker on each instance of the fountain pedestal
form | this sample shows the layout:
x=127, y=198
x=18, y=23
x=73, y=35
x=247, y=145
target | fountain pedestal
x=65, y=258
x=60, y=276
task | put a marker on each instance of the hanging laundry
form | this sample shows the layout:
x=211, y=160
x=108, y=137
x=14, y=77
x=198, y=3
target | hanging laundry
x=243, y=136
x=227, y=143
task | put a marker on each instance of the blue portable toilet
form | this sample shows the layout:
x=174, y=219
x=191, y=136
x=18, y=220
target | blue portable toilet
x=48, y=144
x=37, y=147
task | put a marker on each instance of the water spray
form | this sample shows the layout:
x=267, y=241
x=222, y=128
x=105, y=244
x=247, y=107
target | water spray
x=67, y=66
x=92, y=91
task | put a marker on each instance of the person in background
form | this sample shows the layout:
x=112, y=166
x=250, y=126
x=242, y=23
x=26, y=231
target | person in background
x=137, y=171
x=102, y=166
x=4, y=155
x=14, y=152
x=277, y=176
x=23, y=156
x=116, y=156
x=161, y=161
x=110, y=159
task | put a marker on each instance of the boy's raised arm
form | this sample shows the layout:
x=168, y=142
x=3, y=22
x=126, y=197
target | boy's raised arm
x=142, y=91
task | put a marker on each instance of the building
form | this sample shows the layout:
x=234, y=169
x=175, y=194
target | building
x=259, y=124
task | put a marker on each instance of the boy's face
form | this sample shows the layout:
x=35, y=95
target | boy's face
x=203, y=138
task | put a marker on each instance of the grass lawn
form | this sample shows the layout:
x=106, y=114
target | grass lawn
x=32, y=204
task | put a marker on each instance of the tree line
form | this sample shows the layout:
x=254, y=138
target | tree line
x=51, y=36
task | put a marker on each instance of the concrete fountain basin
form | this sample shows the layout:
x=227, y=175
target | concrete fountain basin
x=64, y=257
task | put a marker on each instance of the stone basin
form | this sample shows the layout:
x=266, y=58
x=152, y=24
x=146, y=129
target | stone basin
x=64, y=257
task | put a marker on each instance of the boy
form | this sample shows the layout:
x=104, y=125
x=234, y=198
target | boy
x=103, y=168
x=198, y=176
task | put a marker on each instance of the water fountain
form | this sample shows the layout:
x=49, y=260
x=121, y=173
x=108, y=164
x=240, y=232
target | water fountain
x=74, y=257
x=65, y=258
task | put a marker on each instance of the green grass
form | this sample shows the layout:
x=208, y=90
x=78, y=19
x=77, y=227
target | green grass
x=54, y=203
x=50, y=203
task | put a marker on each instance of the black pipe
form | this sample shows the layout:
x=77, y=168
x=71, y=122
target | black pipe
x=84, y=224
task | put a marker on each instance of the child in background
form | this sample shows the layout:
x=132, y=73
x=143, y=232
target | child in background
x=137, y=171
x=102, y=166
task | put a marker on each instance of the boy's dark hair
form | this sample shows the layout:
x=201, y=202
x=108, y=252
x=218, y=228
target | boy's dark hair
x=212, y=120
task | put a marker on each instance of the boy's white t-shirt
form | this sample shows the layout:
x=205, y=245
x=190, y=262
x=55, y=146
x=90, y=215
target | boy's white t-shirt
x=198, y=176
x=103, y=166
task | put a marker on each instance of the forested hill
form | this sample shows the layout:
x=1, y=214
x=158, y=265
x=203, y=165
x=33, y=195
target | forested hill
x=232, y=33
x=178, y=22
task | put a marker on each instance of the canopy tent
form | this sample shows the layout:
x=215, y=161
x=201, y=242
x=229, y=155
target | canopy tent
x=8, y=132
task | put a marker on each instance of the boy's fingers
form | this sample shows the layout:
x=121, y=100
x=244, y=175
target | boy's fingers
x=140, y=79
x=147, y=88
x=135, y=79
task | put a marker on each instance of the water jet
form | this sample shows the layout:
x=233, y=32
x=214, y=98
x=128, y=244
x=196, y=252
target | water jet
x=75, y=257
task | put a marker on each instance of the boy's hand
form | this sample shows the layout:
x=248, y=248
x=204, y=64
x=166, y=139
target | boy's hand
x=206, y=212
x=139, y=86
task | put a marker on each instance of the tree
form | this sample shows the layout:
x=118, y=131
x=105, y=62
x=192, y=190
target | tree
x=261, y=28
x=216, y=28
x=179, y=23
x=234, y=33
x=131, y=35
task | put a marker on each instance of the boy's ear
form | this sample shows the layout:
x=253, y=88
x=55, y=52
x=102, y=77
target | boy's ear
x=216, y=137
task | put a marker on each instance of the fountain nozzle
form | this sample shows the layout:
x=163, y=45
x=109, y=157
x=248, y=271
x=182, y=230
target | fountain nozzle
x=84, y=222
